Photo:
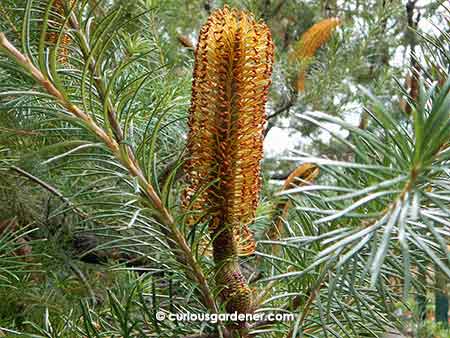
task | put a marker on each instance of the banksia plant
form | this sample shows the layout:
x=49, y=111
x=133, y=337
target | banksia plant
x=55, y=25
x=303, y=175
x=185, y=41
x=233, y=66
x=305, y=49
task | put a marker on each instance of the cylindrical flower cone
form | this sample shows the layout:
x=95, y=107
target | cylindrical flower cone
x=310, y=41
x=233, y=66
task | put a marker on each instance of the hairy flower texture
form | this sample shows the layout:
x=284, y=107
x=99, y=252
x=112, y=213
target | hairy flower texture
x=55, y=25
x=233, y=66
x=305, y=49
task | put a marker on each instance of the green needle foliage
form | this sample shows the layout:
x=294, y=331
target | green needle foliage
x=91, y=150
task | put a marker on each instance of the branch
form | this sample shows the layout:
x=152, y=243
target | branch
x=280, y=177
x=127, y=159
x=49, y=188
x=97, y=8
x=277, y=8
x=5, y=15
x=207, y=5
x=23, y=61
x=100, y=86
x=280, y=111
x=283, y=108
x=412, y=80
x=20, y=132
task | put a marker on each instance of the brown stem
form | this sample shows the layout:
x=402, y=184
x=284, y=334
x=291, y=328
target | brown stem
x=412, y=82
x=280, y=110
x=277, y=9
x=307, y=308
x=111, y=113
x=49, y=188
x=127, y=161
x=5, y=15
x=97, y=8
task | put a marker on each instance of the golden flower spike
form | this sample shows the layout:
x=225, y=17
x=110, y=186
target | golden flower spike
x=233, y=66
x=55, y=25
x=314, y=38
x=303, y=175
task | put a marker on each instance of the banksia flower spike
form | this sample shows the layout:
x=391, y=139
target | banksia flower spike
x=314, y=38
x=185, y=41
x=55, y=25
x=303, y=175
x=233, y=66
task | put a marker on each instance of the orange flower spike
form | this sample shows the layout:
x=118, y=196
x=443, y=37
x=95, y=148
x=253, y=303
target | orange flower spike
x=307, y=172
x=233, y=66
x=52, y=37
x=314, y=38
x=304, y=174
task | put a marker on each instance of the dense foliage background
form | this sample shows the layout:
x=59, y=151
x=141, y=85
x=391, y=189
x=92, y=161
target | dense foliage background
x=363, y=247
